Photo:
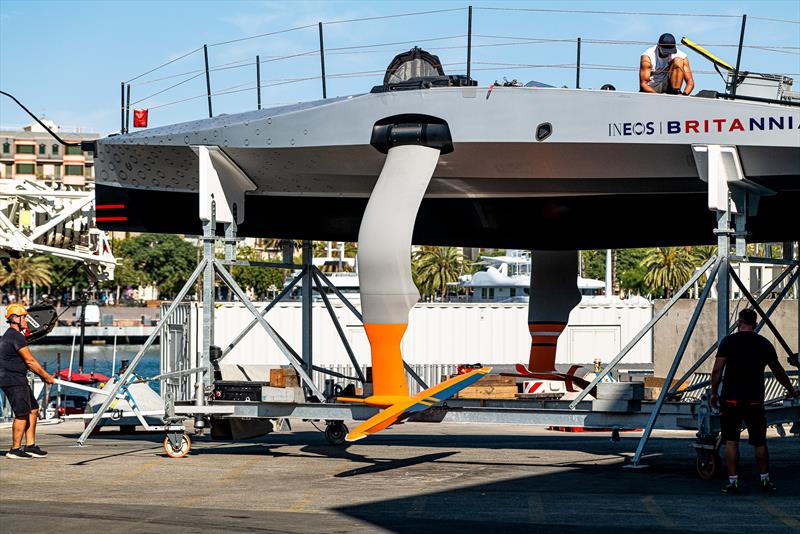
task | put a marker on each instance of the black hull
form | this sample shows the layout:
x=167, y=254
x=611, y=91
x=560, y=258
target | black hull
x=543, y=223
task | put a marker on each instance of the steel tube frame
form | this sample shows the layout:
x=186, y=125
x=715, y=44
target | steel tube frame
x=231, y=283
x=676, y=362
x=612, y=365
x=314, y=367
x=286, y=290
x=696, y=365
x=357, y=313
x=339, y=294
x=307, y=305
x=136, y=359
x=760, y=312
x=338, y=327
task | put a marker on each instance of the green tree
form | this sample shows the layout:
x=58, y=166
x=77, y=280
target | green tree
x=164, y=260
x=260, y=280
x=66, y=274
x=435, y=267
x=668, y=268
x=594, y=264
x=25, y=270
x=630, y=270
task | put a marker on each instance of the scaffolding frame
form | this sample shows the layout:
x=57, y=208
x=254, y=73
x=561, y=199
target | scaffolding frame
x=661, y=414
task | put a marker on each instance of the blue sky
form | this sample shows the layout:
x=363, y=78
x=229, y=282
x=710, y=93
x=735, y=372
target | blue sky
x=66, y=60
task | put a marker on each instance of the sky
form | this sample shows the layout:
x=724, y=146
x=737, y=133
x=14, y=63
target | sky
x=66, y=60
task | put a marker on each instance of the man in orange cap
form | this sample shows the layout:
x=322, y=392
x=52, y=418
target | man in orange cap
x=15, y=360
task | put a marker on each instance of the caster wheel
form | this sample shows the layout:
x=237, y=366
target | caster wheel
x=335, y=432
x=181, y=451
x=708, y=465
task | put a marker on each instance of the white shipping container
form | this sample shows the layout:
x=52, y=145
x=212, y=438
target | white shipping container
x=446, y=333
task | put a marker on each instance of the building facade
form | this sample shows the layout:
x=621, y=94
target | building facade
x=33, y=154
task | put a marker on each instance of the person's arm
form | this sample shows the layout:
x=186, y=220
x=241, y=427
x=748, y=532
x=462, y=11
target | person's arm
x=687, y=77
x=645, y=69
x=716, y=379
x=34, y=366
x=783, y=379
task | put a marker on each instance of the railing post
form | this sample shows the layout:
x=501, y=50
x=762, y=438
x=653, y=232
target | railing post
x=738, y=57
x=208, y=81
x=258, y=80
x=122, y=107
x=128, y=110
x=322, y=62
x=469, y=41
x=578, y=67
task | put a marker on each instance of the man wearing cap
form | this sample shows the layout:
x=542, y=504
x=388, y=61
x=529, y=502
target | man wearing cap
x=664, y=69
x=743, y=357
x=15, y=360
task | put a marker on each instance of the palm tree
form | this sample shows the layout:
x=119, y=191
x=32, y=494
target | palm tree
x=668, y=268
x=435, y=267
x=26, y=269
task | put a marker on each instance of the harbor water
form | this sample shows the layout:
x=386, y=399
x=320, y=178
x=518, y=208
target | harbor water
x=98, y=359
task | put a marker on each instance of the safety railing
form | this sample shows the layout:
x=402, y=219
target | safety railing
x=316, y=61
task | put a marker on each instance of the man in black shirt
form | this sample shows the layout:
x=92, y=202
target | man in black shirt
x=743, y=356
x=15, y=360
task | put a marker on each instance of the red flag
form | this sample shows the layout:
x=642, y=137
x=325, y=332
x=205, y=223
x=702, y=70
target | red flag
x=140, y=118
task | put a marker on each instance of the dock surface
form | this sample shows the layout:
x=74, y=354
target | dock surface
x=413, y=478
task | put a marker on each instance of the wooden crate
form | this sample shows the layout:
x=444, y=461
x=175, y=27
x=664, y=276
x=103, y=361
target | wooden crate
x=285, y=377
x=491, y=387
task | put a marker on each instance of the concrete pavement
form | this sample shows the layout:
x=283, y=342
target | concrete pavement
x=415, y=478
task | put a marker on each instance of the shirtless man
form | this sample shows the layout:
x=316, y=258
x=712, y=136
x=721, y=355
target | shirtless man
x=664, y=69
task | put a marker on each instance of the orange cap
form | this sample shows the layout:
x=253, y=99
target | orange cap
x=15, y=309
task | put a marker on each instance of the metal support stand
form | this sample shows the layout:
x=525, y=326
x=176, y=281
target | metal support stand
x=676, y=362
x=308, y=304
x=734, y=198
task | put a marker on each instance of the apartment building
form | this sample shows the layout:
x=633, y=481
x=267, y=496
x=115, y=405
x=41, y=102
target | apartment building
x=31, y=153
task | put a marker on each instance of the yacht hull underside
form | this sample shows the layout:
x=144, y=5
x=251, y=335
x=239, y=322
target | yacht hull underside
x=533, y=222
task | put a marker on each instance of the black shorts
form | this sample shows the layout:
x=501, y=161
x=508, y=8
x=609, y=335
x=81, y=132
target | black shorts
x=731, y=416
x=22, y=399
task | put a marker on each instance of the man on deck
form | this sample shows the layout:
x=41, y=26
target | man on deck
x=743, y=357
x=15, y=360
x=664, y=69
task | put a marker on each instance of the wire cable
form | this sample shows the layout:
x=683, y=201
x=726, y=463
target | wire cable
x=396, y=16
x=43, y=125
x=167, y=89
x=599, y=12
x=165, y=64
x=277, y=32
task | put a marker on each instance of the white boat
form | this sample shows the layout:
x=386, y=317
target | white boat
x=507, y=278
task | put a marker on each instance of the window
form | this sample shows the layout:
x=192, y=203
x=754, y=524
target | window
x=25, y=149
x=26, y=168
x=55, y=150
x=74, y=150
x=87, y=171
x=73, y=170
x=41, y=149
x=9, y=169
x=57, y=171
x=6, y=148
x=40, y=170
